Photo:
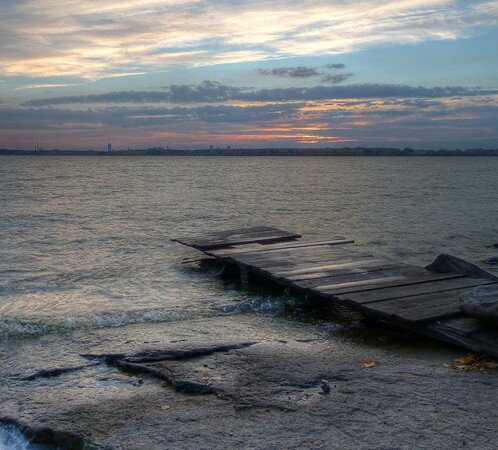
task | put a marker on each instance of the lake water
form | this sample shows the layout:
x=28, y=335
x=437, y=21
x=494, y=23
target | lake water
x=84, y=241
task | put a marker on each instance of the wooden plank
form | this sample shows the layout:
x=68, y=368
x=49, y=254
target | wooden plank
x=321, y=254
x=379, y=283
x=233, y=250
x=236, y=237
x=419, y=308
x=257, y=248
x=272, y=271
x=367, y=274
x=229, y=234
x=318, y=271
x=487, y=335
x=366, y=297
x=487, y=343
x=260, y=237
x=248, y=239
x=274, y=265
x=345, y=271
x=464, y=325
x=222, y=233
x=324, y=250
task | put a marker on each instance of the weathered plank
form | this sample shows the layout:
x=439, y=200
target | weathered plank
x=346, y=288
x=324, y=250
x=464, y=325
x=367, y=274
x=419, y=308
x=228, y=238
x=257, y=248
x=489, y=336
x=331, y=273
x=320, y=270
x=257, y=237
x=274, y=265
x=376, y=295
x=486, y=340
x=221, y=233
x=298, y=256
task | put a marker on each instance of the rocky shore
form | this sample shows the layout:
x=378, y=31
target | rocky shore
x=241, y=382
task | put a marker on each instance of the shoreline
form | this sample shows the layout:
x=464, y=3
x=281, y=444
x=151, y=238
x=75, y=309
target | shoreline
x=271, y=382
x=267, y=152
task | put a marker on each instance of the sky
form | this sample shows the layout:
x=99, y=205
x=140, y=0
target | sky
x=248, y=73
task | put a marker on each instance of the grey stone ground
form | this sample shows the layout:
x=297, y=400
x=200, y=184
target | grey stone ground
x=245, y=382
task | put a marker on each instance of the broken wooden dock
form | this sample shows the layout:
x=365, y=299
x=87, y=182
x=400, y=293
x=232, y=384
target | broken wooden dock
x=405, y=295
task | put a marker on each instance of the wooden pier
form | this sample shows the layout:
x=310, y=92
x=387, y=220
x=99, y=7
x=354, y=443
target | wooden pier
x=405, y=295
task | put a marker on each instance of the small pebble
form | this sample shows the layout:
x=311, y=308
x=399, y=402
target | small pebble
x=325, y=387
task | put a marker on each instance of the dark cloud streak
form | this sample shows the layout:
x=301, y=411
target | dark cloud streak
x=290, y=72
x=213, y=92
x=127, y=117
x=336, y=79
x=335, y=66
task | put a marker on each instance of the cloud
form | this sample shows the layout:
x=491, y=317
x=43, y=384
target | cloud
x=335, y=66
x=462, y=121
x=291, y=72
x=102, y=38
x=307, y=72
x=336, y=79
x=212, y=92
x=43, y=85
x=127, y=117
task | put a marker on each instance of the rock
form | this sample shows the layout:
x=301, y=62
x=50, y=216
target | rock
x=325, y=387
x=481, y=303
x=491, y=260
x=451, y=264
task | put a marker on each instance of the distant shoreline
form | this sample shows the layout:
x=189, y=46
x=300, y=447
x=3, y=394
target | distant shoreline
x=347, y=151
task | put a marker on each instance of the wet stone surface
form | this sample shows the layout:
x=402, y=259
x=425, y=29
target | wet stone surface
x=257, y=382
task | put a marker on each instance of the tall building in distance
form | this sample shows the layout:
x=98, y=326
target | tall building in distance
x=109, y=147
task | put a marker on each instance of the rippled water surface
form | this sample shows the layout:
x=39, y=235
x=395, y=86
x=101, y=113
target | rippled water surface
x=85, y=240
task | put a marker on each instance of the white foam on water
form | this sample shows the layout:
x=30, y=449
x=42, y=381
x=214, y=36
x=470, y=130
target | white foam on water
x=266, y=304
x=13, y=326
x=35, y=326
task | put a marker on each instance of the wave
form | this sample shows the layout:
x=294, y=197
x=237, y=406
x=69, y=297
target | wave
x=268, y=305
x=11, y=327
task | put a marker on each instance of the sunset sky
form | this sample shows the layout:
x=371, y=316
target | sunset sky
x=248, y=73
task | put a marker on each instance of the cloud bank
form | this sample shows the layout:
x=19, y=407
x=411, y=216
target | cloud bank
x=193, y=115
x=211, y=92
x=435, y=123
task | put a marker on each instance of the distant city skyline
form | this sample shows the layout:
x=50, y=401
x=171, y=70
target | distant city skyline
x=250, y=74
